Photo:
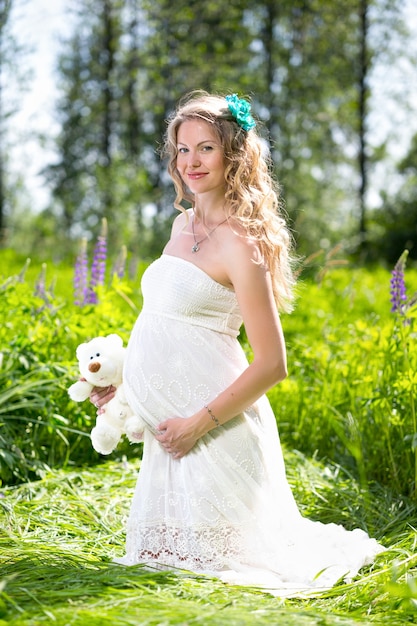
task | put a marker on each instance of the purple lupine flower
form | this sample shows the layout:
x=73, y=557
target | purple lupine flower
x=81, y=275
x=398, y=289
x=98, y=267
x=40, y=285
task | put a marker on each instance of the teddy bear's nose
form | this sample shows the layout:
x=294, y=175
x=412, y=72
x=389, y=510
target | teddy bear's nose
x=94, y=367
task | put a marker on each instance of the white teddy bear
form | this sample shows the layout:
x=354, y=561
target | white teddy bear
x=101, y=365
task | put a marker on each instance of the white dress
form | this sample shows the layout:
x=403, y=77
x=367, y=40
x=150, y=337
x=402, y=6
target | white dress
x=225, y=508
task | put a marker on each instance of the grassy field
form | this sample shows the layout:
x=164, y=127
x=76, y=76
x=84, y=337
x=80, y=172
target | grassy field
x=347, y=417
x=60, y=534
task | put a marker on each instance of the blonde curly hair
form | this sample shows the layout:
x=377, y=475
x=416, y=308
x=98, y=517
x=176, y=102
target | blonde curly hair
x=252, y=196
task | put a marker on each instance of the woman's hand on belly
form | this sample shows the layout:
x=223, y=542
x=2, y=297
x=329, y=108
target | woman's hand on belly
x=177, y=436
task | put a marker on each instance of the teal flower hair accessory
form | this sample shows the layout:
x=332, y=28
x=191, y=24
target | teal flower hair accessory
x=240, y=109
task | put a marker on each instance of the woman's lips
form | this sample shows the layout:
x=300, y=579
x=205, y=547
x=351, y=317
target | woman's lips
x=196, y=175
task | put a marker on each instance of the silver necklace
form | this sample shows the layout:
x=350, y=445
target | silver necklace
x=196, y=246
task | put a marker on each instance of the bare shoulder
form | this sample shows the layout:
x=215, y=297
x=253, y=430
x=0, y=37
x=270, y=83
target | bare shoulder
x=251, y=280
x=241, y=251
x=180, y=222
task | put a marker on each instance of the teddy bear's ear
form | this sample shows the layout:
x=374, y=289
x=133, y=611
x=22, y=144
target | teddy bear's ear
x=115, y=340
x=80, y=350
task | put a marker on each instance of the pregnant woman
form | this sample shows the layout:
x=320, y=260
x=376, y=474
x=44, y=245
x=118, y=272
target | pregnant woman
x=212, y=495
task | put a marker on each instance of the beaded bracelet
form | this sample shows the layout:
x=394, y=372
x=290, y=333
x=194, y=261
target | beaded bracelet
x=213, y=417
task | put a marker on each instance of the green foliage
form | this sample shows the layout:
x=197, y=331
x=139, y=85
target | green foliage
x=352, y=389
x=24, y=434
x=396, y=223
x=39, y=426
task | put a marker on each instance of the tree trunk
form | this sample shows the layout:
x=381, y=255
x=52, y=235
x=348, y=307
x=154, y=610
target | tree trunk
x=2, y=186
x=108, y=98
x=362, y=111
x=268, y=41
x=5, y=6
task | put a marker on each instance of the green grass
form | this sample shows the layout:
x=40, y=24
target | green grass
x=59, y=535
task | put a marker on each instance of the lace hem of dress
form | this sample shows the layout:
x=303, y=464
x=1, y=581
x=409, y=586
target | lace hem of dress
x=207, y=548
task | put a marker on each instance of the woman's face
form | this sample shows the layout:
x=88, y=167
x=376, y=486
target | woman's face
x=200, y=157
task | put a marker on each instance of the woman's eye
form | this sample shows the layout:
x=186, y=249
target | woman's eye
x=207, y=148
x=182, y=150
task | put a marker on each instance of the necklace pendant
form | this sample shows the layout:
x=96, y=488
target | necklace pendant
x=195, y=247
